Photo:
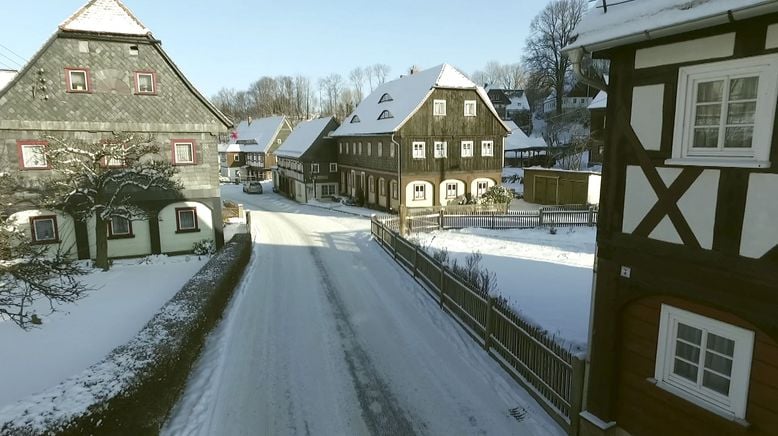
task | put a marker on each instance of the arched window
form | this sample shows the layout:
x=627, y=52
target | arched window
x=386, y=97
x=385, y=114
x=354, y=119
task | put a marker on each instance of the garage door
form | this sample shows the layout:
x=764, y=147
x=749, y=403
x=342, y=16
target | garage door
x=546, y=190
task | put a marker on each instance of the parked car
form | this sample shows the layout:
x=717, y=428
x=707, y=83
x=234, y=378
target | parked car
x=224, y=179
x=252, y=188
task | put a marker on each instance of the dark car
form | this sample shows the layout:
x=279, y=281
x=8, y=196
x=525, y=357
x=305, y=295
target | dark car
x=252, y=188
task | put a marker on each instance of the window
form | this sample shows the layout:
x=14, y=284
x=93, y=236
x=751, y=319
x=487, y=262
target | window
x=382, y=187
x=467, y=148
x=395, y=191
x=487, y=148
x=469, y=108
x=340, y=148
x=315, y=168
x=725, y=113
x=32, y=155
x=354, y=119
x=440, y=149
x=327, y=190
x=391, y=149
x=385, y=114
x=333, y=168
x=119, y=227
x=77, y=80
x=360, y=149
x=481, y=188
x=369, y=149
x=145, y=82
x=279, y=141
x=439, y=107
x=371, y=184
x=186, y=220
x=704, y=361
x=418, y=150
x=44, y=229
x=346, y=148
x=419, y=191
x=451, y=190
x=183, y=153
x=237, y=157
x=386, y=97
x=380, y=149
x=353, y=148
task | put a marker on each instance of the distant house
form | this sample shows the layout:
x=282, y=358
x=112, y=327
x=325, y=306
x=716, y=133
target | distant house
x=232, y=161
x=102, y=72
x=308, y=161
x=420, y=141
x=257, y=141
x=6, y=76
x=522, y=150
x=577, y=98
x=684, y=333
x=511, y=104
x=597, y=127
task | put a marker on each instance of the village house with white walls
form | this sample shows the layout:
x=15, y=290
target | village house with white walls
x=250, y=155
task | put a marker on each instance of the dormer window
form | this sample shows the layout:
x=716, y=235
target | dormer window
x=386, y=97
x=385, y=114
x=77, y=80
x=354, y=119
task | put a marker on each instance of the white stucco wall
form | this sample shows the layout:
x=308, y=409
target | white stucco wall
x=139, y=245
x=474, y=184
x=65, y=228
x=760, y=232
x=646, y=119
x=593, y=196
x=171, y=241
x=442, y=190
x=711, y=47
x=429, y=191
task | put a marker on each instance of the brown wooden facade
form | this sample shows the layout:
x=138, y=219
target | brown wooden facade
x=687, y=246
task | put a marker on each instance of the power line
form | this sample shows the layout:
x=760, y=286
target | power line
x=13, y=53
x=13, y=61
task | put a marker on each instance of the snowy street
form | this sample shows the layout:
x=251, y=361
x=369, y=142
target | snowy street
x=327, y=336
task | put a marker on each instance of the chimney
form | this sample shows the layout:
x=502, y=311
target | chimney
x=249, y=120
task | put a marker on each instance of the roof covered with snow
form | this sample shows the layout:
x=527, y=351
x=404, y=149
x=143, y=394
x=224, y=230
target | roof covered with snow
x=105, y=16
x=6, y=76
x=639, y=20
x=260, y=133
x=304, y=136
x=518, y=140
x=404, y=96
x=600, y=101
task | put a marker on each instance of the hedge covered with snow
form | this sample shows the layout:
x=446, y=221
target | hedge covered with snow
x=134, y=388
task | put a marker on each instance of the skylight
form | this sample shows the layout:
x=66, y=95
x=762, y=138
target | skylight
x=385, y=114
x=386, y=97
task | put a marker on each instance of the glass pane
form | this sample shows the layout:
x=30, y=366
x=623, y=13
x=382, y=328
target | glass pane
x=186, y=220
x=689, y=334
x=685, y=370
x=738, y=137
x=708, y=92
x=688, y=352
x=720, y=364
x=120, y=226
x=721, y=345
x=706, y=138
x=145, y=83
x=715, y=382
x=183, y=153
x=743, y=88
x=77, y=80
x=741, y=113
x=708, y=115
x=44, y=230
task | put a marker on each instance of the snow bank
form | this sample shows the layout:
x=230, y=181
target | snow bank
x=132, y=389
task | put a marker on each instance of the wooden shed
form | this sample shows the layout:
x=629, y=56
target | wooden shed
x=557, y=186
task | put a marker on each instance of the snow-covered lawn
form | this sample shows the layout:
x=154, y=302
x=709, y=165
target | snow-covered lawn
x=78, y=335
x=547, y=278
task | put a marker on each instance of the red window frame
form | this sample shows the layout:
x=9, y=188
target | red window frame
x=154, y=86
x=33, y=234
x=173, y=143
x=20, y=145
x=112, y=235
x=88, y=73
x=178, y=220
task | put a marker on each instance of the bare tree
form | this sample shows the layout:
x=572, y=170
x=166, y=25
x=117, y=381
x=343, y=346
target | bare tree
x=28, y=272
x=505, y=76
x=550, y=31
x=105, y=179
x=377, y=75
x=332, y=86
x=357, y=77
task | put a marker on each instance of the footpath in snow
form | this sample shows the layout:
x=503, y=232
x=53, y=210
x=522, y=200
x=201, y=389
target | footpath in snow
x=326, y=335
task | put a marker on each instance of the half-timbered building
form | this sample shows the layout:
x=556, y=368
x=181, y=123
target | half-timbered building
x=308, y=161
x=684, y=333
x=422, y=140
x=256, y=140
x=103, y=72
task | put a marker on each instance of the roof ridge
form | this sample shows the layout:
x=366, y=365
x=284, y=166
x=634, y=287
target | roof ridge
x=136, y=27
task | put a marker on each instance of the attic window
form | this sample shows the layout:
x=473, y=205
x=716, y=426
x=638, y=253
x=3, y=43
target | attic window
x=133, y=50
x=354, y=119
x=386, y=97
x=385, y=114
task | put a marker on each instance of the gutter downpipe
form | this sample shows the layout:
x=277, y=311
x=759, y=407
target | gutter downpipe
x=576, y=56
x=399, y=191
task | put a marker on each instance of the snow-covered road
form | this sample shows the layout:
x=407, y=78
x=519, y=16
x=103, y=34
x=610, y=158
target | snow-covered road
x=327, y=336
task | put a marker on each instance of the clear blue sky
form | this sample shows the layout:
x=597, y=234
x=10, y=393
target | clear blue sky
x=231, y=43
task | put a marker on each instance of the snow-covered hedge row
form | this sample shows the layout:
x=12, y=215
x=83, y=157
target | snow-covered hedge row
x=133, y=389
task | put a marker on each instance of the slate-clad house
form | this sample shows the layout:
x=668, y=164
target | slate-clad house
x=308, y=161
x=257, y=141
x=101, y=72
x=684, y=335
x=420, y=141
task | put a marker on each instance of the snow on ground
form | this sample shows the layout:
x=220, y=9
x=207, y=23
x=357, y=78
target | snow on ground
x=327, y=335
x=81, y=334
x=336, y=205
x=547, y=278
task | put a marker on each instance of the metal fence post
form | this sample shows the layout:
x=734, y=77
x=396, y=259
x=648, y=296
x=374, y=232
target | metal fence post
x=415, y=261
x=489, y=328
x=576, y=394
x=394, y=245
x=442, y=286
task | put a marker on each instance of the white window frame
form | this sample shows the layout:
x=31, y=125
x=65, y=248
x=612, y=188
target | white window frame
x=439, y=108
x=380, y=149
x=441, y=149
x=138, y=75
x=314, y=168
x=487, y=148
x=465, y=151
x=35, y=162
x=112, y=224
x=369, y=149
x=360, y=149
x=86, y=80
x=54, y=229
x=419, y=191
x=394, y=187
x=191, y=151
x=340, y=148
x=448, y=190
x=732, y=406
x=391, y=149
x=419, y=149
x=766, y=67
x=481, y=188
x=333, y=168
x=470, y=104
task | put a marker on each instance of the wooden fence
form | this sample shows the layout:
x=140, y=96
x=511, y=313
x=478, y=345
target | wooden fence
x=550, y=373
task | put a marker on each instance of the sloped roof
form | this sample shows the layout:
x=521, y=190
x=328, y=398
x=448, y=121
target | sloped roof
x=260, y=132
x=600, y=101
x=518, y=140
x=105, y=16
x=304, y=136
x=407, y=94
x=6, y=76
x=639, y=20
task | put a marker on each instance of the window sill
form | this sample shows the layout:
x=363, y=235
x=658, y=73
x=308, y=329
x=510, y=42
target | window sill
x=188, y=231
x=724, y=162
x=146, y=93
x=729, y=416
x=184, y=164
x=112, y=237
x=52, y=242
